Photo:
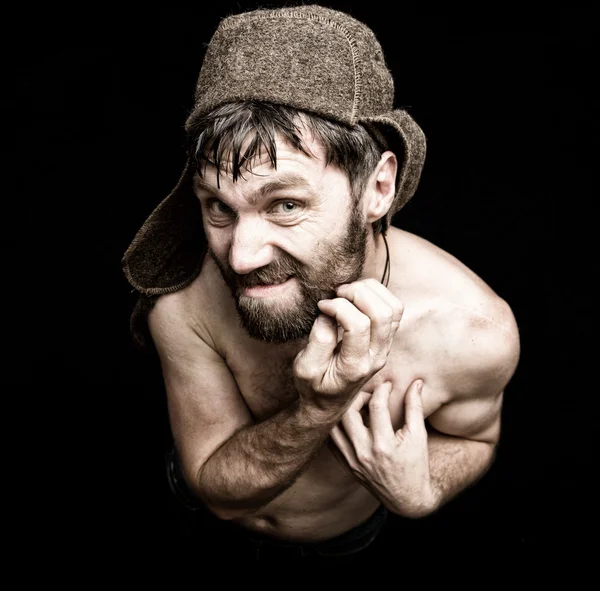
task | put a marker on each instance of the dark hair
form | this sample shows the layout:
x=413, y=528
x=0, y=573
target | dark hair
x=218, y=138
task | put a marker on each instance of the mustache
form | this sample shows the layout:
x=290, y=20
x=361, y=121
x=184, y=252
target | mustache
x=276, y=271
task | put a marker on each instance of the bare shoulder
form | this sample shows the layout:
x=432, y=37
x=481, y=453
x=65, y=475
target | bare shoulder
x=186, y=314
x=484, y=335
x=468, y=327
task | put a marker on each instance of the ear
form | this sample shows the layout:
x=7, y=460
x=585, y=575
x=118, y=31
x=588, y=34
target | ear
x=381, y=189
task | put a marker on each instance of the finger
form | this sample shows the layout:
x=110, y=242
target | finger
x=368, y=301
x=360, y=400
x=354, y=426
x=354, y=351
x=344, y=445
x=315, y=358
x=347, y=290
x=381, y=306
x=414, y=420
x=380, y=419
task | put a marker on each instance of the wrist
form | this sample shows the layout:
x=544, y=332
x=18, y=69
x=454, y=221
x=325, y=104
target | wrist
x=317, y=414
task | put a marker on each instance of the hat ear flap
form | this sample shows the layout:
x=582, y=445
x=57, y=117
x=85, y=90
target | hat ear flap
x=397, y=131
x=168, y=251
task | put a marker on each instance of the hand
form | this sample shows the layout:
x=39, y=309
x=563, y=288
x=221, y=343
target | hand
x=328, y=373
x=394, y=466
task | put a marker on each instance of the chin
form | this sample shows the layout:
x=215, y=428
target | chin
x=275, y=322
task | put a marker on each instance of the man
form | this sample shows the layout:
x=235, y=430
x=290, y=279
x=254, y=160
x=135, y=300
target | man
x=322, y=367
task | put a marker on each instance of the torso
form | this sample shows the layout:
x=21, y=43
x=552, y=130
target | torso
x=441, y=298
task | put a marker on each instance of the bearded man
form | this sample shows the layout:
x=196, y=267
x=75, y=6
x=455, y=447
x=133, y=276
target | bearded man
x=322, y=367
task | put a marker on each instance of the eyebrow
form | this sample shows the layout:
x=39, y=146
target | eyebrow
x=287, y=181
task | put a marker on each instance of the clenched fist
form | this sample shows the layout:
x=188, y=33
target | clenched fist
x=331, y=370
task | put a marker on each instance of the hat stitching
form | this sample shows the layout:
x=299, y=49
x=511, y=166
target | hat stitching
x=358, y=86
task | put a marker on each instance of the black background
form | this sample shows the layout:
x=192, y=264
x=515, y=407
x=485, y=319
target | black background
x=508, y=187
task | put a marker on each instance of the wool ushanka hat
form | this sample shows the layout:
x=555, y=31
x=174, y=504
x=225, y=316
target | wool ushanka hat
x=308, y=57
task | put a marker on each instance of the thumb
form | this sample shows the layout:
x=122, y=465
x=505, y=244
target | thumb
x=322, y=341
x=413, y=407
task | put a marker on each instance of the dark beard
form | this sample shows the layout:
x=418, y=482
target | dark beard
x=334, y=265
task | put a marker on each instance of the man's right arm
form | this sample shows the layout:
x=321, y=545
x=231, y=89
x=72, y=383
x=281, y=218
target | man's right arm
x=233, y=464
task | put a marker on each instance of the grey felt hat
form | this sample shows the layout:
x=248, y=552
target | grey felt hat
x=309, y=57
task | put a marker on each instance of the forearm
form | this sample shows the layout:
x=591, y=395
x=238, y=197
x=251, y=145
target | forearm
x=455, y=464
x=420, y=486
x=412, y=471
x=261, y=461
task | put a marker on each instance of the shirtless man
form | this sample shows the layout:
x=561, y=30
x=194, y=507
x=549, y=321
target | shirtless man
x=319, y=363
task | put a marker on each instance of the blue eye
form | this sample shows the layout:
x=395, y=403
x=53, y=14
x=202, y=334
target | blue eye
x=288, y=206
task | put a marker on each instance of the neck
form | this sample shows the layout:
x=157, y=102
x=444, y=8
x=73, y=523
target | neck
x=375, y=262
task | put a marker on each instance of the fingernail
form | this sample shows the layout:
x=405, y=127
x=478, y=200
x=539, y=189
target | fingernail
x=420, y=386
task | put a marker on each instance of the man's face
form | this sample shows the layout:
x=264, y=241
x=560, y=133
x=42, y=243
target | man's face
x=283, y=239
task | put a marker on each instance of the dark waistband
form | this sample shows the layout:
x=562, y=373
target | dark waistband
x=351, y=541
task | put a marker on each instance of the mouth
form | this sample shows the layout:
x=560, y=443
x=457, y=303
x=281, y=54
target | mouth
x=268, y=289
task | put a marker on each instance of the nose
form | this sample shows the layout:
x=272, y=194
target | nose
x=250, y=246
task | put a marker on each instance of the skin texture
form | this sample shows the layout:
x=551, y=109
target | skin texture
x=303, y=439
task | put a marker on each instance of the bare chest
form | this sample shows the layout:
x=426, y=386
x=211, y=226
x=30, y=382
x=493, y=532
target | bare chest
x=265, y=378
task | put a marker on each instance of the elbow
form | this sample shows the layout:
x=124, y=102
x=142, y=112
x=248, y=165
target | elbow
x=197, y=493
x=221, y=504
x=416, y=513
x=210, y=501
x=427, y=504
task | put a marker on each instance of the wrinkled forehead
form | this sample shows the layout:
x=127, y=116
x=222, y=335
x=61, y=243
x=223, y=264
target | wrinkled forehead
x=278, y=162
x=257, y=182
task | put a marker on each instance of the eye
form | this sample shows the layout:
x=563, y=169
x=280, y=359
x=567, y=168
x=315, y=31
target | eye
x=286, y=207
x=218, y=213
x=218, y=208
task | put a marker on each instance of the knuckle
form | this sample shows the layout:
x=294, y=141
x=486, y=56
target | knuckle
x=376, y=407
x=381, y=449
x=363, y=368
x=302, y=371
x=370, y=281
x=385, y=316
x=360, y=288
x=363, y=323
x=379, y=362
x=324, y=337
x=364, y=458
x=358, y=370
x=377, y=403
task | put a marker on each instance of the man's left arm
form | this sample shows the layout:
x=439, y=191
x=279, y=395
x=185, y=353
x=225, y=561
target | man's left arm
x=463, y=433
x=458, y=455
x=420, y=467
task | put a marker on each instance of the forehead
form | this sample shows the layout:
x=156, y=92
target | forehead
x=294, y=168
